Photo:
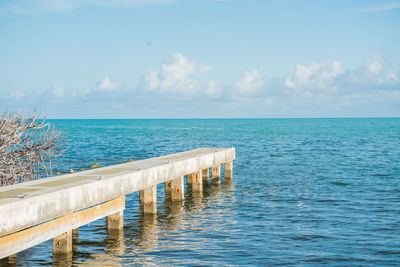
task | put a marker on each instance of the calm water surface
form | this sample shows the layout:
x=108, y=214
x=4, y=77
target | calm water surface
x=305, y=192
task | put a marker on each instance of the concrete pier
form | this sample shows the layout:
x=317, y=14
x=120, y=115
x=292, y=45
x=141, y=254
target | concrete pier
x=50, y=208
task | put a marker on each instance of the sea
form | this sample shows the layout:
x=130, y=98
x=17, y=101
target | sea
x=305, y=192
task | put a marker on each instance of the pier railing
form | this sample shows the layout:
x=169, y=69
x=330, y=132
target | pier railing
x=36, y=211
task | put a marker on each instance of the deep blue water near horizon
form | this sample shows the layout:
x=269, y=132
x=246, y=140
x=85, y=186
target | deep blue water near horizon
x=305, y=192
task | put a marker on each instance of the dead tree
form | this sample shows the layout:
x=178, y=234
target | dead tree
x=27, y=146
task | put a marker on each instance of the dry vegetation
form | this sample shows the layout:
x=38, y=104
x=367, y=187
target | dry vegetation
x=27, y=146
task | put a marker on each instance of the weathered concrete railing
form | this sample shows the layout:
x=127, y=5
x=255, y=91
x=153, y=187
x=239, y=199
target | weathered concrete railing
x=33, y=212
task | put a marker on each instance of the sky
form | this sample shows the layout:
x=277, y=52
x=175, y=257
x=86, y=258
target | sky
x=200, y=58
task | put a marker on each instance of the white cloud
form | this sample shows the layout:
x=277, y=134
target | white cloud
x=250, y=82
x=107, y=85
x=380, y=8
x=176, y=76
x=375, y=67
x=56, y=94
x=320, y=79
x=213, y=89
x=371, y=75
x=269, y=101
x=392, y=77
x=374, y=64
x=105, y=90
x=58, y=91
x=16, y=94
x=314, y=76
x=150, y=81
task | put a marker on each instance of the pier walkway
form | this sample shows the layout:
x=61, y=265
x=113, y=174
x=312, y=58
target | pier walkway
x=52, y=208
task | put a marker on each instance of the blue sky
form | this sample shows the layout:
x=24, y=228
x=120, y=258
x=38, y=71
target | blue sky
x=200, y=58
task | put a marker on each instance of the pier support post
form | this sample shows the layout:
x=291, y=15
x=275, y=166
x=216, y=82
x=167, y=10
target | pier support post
x=189, y=179
x=150, y=200
x=115, y=221
x=141, y=196
x=75, y=239
x=177, y=189
x=216, y=174
x=205, y=173
x=228, y=172
x=75, y=232
x=167, y=188
x=62, y=244
x=197, y=182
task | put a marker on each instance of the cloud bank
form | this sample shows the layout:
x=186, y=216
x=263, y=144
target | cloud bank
x=313, y=89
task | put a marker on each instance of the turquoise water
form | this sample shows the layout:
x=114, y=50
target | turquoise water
x=305, y=192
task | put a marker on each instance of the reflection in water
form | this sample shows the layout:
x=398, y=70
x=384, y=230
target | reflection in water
x=173, y=211
x=9, y=261
x=148, y=232
x=62, y=259
x=213, y=196
x=228, y=187
x=195, y=199
x=113, y=246
x=115, y=241
x=75, y=240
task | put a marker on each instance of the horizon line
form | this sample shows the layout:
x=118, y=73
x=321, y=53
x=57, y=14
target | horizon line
x=233, y=118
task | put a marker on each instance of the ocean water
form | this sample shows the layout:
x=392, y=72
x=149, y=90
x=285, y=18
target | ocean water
x=305, y=192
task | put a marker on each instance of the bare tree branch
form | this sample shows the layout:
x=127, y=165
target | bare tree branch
x=27, y=146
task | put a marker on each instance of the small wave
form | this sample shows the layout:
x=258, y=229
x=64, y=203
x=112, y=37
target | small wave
x=339, y=183
x=380, y=174
x=388, y=252
x=309, y=237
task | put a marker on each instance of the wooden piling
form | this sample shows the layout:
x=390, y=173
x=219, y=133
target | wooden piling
x=115, y=221
x=177, y=189
x=228, y=170
x=150, y=200
x=62, y=244
x=189, y=179
x=197, y=182
x=141, y=196
x=216, y=174
x=75, y=239
x=167, y=188
x=75, y=232
x=206, y=174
